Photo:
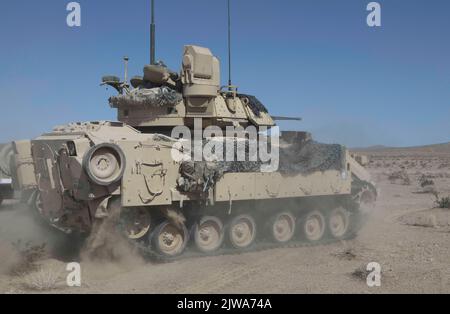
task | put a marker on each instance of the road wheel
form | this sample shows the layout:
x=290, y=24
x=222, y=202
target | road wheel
x=135, y=222
x=282, y=227
x=313, y=226
x=242, y=231
x=169, y=239
x=208, y=234
x=339, y=223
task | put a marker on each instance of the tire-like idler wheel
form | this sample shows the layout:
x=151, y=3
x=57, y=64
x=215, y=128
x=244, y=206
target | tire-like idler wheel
x=313, y=226
x=208, y=234
x=104, y=164
x=282, y=227
x=168, y=239
x=242, y=232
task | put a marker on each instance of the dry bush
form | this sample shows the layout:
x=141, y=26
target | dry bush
x=424, y=181
x=29, y=255
x=42, y=280
x=360, y=273
x=442, y=202
x=400, y=177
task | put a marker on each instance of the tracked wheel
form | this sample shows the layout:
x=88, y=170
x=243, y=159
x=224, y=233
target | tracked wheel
x=208, y=234
x=169, y=239
x=313, y=226
x=339, y=223
x=282, y=227
x=242, y=232
x=135, y=222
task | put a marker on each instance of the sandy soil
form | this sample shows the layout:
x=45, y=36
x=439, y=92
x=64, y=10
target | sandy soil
x=404, y=235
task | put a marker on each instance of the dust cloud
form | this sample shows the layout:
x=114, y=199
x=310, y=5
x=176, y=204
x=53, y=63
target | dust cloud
x=105, y=251
x=21, y=231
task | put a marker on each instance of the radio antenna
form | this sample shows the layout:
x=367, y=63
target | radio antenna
x=152, y=34
x=126, y=59
x=229, y=44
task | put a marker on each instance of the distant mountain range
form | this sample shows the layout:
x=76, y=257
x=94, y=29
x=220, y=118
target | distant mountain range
x=434, y=149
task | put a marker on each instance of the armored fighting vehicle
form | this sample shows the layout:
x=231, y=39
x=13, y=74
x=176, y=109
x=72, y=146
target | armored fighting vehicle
x=144, y=170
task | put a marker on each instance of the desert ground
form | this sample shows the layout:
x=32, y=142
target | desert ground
x=406, y=234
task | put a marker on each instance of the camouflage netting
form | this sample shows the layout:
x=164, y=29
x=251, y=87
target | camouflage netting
x=200, y=176
x=147, y=97
x=311, y=156
x=298, y=158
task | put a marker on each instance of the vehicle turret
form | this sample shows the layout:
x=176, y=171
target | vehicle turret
x=162, y=98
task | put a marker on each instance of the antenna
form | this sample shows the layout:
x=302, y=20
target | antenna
x=152, y=34
x=126, y=59
x=229, y=44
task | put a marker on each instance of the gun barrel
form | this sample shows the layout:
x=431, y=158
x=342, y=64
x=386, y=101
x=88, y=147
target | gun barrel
x=278, y=118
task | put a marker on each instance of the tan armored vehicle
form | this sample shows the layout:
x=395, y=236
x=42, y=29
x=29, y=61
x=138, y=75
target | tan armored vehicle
x=144, y=169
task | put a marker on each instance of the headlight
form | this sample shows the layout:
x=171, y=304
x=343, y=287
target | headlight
x=104, y=164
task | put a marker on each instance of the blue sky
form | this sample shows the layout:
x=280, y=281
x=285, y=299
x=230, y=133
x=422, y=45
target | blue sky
x=316, y=59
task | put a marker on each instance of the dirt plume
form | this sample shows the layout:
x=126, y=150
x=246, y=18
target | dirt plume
x=9, y=257
x=23, y=242
x=106, y=251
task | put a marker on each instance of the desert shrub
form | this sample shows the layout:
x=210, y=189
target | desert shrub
x=360, y=273
x=29, y=255
x=443, y=202
x=42, y=280
x=424, y=181
x=399, y=177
